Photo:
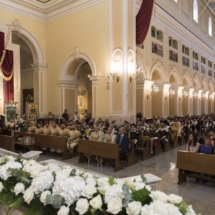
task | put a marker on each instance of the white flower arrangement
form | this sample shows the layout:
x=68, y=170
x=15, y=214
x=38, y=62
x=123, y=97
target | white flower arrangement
x=65, y=191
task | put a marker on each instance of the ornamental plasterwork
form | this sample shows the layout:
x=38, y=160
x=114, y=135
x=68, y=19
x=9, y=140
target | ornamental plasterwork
x=76, y=52
x=16, y=24
x=117, y=55
x=131, y=56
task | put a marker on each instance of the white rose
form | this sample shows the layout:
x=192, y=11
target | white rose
x=35, y=173
x=96, y=202
x=89, y=190
x=115, y=205
x=28, y=195
x=158, y=195
x=134, y=208
x=19, y=188
x=103, y=182
x=63, y=211
x=43, y=196
x=175, y=199
x=1, y=187
x=82, y=206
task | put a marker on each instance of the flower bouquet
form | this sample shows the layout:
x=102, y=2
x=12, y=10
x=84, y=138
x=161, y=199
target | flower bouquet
x=49, y=189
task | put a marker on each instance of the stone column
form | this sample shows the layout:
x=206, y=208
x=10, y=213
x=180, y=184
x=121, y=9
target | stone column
x=95, y=101
x=123, y=60
x=199, y=105
x=39, y=88
x=190, y=101
x=206, y=101
x=1, y=96
x=166, y=100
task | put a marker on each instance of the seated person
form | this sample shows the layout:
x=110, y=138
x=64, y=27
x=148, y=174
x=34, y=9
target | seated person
x=206, y=148
x=212, y=136
x=192, y=144
x=32, y=127
x=39, y=129
x=133, y=134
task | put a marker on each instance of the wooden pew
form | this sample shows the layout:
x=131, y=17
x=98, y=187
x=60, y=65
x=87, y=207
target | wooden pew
x=190, y=163
x=18, y=134
x=131, y=156
x=106, y=150
x=46, y=141
x=7, y=143
x=146, y=149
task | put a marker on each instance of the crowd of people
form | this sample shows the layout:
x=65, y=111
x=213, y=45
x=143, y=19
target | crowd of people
x=196, y=131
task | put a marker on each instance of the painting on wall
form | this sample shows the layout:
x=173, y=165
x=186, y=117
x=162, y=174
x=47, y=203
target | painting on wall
x=157, y=49
x=81, y=101
x=203, y=70
x=33, y=111
x=173, y=56
x=210, y=72
x=196, y=66
x=185, y=61
x=10, y=111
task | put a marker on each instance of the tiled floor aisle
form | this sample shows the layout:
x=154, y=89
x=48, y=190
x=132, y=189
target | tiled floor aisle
x=200, y=195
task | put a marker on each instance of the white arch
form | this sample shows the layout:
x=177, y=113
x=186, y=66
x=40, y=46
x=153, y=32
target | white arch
x=33, y=44
x=160, y=69
x=141, y=65
x=187, y=77
x=174, y=72
x=70, y=60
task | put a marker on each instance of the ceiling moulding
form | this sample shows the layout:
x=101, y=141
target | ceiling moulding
x=46, y=12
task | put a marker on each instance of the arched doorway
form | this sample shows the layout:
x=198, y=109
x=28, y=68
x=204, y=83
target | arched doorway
x=27, y=56
x=26, y=73
x=157, y=100
x=78, y=85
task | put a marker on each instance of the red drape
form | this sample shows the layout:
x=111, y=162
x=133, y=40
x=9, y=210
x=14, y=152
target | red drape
x=7, y=69
x=143, y=19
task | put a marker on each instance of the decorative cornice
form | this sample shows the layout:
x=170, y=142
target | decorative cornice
x=48, y=12
x=69, y=84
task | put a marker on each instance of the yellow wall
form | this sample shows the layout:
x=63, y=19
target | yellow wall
x=79, y=30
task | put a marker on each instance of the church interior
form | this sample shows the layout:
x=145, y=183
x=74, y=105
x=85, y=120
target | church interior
x=75, y=73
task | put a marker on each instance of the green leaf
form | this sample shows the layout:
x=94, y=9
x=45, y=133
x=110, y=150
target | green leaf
x=15, y=172
x=111, y=180
x=15, y=205
x=143, y=178
x=56, y=201
x=128, y=196
x=102, y=192
x=142, y=196
x=25, y=180
x=183, y=207
x=72, y=173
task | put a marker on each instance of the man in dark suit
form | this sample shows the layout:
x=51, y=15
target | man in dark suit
x=123, y=142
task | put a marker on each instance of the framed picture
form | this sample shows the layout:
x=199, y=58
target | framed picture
x=203, y=70
x=157, y=49
x=210, y=72
x=195, y=66
x=185, y=61
x=173, y=56
x=33, y=111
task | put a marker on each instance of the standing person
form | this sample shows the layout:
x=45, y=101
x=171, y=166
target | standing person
x=139, y=116
x=76, y=116
x=123, y=142
x=65, y=116
x=192, y=144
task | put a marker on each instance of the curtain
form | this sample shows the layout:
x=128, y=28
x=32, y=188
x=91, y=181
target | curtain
x=6, y=67
x=143, y=20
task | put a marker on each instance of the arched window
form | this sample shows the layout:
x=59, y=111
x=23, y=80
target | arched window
x=195, y=11
x=210, y=26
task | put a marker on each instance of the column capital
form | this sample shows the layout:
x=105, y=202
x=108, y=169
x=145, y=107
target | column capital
x=38, y=66
x=94, y=79
x=69, y=84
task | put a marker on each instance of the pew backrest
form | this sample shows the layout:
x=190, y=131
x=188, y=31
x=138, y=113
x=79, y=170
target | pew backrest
x=196, y=162
x=7, y=143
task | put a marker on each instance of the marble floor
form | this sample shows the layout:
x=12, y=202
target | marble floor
x=198, y=194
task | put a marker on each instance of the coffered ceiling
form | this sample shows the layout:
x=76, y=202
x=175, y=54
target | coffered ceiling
x=46, y=10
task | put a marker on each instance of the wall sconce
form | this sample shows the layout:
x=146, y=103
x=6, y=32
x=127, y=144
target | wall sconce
x=114, y=75
x=184, y=95
x=171, y=94
x=154, y=90
x=136, y=75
